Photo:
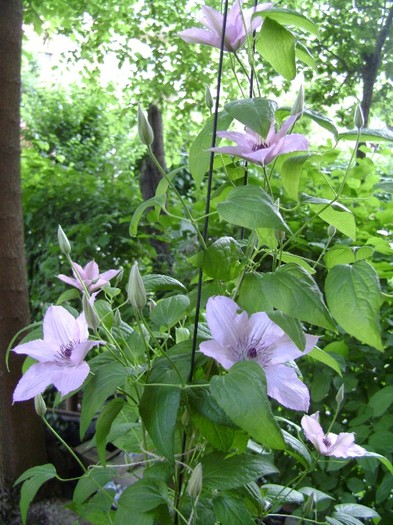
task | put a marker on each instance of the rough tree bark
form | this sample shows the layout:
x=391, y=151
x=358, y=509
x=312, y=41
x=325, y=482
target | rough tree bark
x=21, y=433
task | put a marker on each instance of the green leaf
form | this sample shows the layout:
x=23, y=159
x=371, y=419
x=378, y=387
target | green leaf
x=291, y=171
x=346, y=519
x=158, y=408
x=288, y=17
x=88, y=485
x=138, y=500
x=381, y=400
x=220, y=437
x=317, y=494
x=33, y=479
x=281, y=55
x=291, y=327
x=343, y=254
x=170, y=310
x=326, y=359
x=251, y=207
x=156, y=282
x=293, y=291
x=344, y=221
x=232, y=510
x=68, y=295
x=222, y=472
x=252, y=297
x=354, y=297
x=108, y=375
x=380, y=458
x=304, y=55
x=256, y=113
x=290, y=258
x=241, y=393
x=357, y=511
x=370, y=135
x=154, y=201
x=199, y=157
x=297, y=449
x=222, y=259
x=104, y=424
x=281, y=494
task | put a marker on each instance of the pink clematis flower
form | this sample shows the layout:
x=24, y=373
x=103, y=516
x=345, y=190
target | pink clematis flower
x=238, y=27
x=259, y=150
x=238, y=337
x=90, y=275
x=341, y=445
x=60, y=355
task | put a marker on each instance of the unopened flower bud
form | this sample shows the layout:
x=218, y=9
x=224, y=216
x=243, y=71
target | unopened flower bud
x=182, y=334
x=308, y=506
x=298, y=105
x=195, y=484
x=208, y=98
x=185, y=418
x=136, y=289
x=280, y=235
x=117, y=318
x=359, y=118
x=152, y=305
x=64, y=243
x=92, y=319
x=331, y=231
x=39, y=405
x=340, y=395
x=144, y=129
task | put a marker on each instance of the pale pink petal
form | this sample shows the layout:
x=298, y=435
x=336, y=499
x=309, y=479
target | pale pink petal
x=212, y=19
x=284, y=349
x=34, y=381
x=286, y=126
x=313, y=430
x=226, y=324
x=261, y=328
x=284, y=386
x=38, y=349
x=293, y=142
x=71, y=281
x=343, y=445
x=237, y=151
x=59, y=326
x=271, y=135
x=260, y=156
x=82, y=327
x=80, y=271
x=91, y=271
x=200, y=36
x=245, y=140
x=80, y=350
x=220, y=353
x=108, y=275
x=66, y=379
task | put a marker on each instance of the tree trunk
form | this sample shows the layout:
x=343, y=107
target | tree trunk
x=21, y=432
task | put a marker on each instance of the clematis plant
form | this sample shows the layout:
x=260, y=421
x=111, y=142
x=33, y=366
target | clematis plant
x=339, y=445
x=238, y=337
x=260, y=150
x=60, y=355
x=238, y=27
x=90, y=275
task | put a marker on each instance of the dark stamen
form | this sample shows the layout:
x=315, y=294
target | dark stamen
x=257, y=147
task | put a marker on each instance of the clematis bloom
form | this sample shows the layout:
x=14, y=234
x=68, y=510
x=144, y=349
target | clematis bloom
x=60, y=355
x=238, y=337
x=254, y=148
x=339, y=445
x=90, y=275
x=238, y=27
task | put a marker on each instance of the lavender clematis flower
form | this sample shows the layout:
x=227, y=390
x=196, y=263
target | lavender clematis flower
x=341, y=445
x=259, y=150
x=90, y=275
x=60, y=355
x=238, y=27
x=238, y=337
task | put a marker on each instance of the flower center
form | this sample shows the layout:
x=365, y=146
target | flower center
x=252, y=352
x=65, y=352
x=262, y=145
x=251, y=349
x=327, y=442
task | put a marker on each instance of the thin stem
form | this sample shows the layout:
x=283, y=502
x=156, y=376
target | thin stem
x=64, y=444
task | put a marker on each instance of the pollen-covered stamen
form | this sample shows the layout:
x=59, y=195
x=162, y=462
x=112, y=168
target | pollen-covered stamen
x=262, y=145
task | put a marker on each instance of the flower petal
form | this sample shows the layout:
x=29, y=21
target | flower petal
x=80, y=350
x=60, y=326
x=313, y=430
x=343, y=446
x=34, y=381
x=38, y=349
x=227, y=326
x=220, y=353
x=262, y=328
x=71, y=281
x=108, y=275
x=91, y=271
x=284, y=386
x=200, y=36
x=284, y=349
x=66, y=379
x=293, y=142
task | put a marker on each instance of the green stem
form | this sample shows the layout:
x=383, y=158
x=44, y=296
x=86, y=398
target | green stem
x=65, y=445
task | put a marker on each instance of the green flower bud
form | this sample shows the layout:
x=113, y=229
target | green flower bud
x=340, y=395
x=136, y=292
x=195, y=484
x=39, y=405
x=359, y=118
x=144, y=129
x=92, y=319
x=182, y=334
x=208, y=98
x=309, y=505
x=331, y=231
x=298, y=105
x=117, y=318
x=64, y=243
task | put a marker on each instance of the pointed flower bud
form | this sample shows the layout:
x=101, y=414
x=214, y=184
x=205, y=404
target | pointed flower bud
x=144, y=129
x=182, y=334
x=117, y=318
x=136, y=292
x=64, y=243
x=359, y=118
x=340, y=395
x=208, y=98
x=92, y=319
x=298, y=105
x=195, y=484
x=331, y=230
x=39, y=405
x=308, y=506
